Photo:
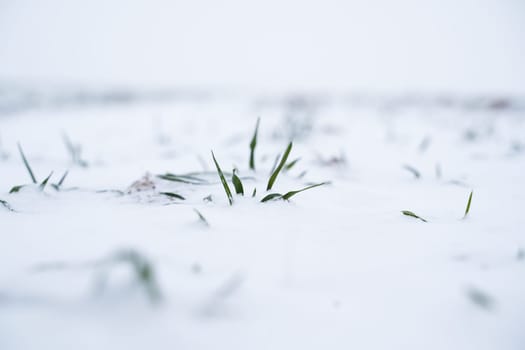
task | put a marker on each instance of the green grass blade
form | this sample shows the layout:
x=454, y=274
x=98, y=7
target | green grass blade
x=16, y=189
x=201, y=218
x=271, y=196
x=26, y=163
x=253, y=144
x=62, y=179
x=183, y=179
x=6, y=205
x=237, y=183
x=272, y=179
x=412, y=170
x=44, y=183
x=409, y=213
x=172, y=195
x=467, y=209
x=290, y=165
x=293, y=193
x=223, y=180
x=254, y=192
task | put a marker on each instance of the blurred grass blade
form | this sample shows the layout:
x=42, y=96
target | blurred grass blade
x=26, y=163
x=62, y=179
x=272, y=179
x=61, y=182
x=15, y=189
x=237, y=183
x=223, y=180
x=467, y=209
x=44, y=183
x=293, y=193
x=271, y=196
x=254, y=191
x=191, y=180
x=412, y=170
x=253, y=144
x=173, y=195
x=201, y=217
x=6, y=205
x=409, y=213
x=291, y=164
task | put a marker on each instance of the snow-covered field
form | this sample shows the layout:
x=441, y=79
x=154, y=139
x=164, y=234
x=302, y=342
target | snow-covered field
x=109, y=262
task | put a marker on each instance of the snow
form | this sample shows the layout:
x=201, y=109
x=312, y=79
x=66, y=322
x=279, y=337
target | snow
x=336, y=267
x=371, y=93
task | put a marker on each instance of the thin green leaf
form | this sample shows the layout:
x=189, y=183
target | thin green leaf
x=6, y=205
x=272, y=179
x=409, y=213
x=74, y=151
x=254, y=191
x=253, y=144
x=182, y=179
x=62, y=179
x=26, y=163
x=173, y=195
x=237, y=183
x=467, y=209
x=223, y=180
x=272, y=196
x=16, y=189
x=290, y=165
x=44, y=183
x=293, y=193
x=412, y=170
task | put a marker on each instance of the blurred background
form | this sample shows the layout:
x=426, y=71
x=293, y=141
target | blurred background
x=377, y=46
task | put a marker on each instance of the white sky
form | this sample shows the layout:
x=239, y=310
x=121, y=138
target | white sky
x=379, y=45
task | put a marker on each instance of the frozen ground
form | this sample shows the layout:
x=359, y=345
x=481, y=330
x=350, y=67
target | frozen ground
x=337, y=267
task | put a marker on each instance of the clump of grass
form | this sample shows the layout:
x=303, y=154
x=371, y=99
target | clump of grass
x=412, y=170
x=253, y=144
x=288, y=195
x=277, y=170
x=42, y=185
x=223, y=180
x=237, y=183
x=467, y=209
x=202, y=219
x=279, y=166
x=411, y=214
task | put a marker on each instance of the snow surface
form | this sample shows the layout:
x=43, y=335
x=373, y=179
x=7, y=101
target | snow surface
x=337, y=267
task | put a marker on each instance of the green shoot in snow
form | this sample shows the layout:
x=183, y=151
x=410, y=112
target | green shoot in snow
x=26, y=163
x=237, y=183
x=253, y=144
x=223, y=180
x=272, y=179
x=409, y=213
x=467, y=209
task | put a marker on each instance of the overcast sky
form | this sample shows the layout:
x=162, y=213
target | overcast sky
x=379, y=45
